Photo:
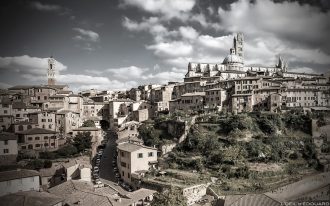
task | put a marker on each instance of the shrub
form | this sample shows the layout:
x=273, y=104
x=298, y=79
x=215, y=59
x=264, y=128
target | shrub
x=48, y=164
x=67, y=151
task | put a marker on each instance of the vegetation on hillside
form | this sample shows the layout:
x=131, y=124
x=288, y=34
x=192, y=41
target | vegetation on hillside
x=226, y=147
x=170, y=197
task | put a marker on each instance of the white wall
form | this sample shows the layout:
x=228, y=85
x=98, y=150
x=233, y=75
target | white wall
x=17, y=185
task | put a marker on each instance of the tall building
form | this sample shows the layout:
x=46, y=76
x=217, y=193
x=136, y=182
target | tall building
x=51, y=71
x=238, y=45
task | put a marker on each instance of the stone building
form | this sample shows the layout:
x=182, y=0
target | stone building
x=38, y=139
x=8, y=148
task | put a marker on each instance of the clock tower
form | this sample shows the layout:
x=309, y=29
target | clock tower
x=51, y=71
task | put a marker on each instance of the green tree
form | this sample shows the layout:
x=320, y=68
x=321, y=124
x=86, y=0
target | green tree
x=82, y=141
x=67, y=151
x=88, y=123
x=170, y=197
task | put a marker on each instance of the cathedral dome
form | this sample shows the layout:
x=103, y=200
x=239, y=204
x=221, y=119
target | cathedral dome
x=232, y=58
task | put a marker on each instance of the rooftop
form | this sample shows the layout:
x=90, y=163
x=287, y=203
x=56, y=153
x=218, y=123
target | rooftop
x=37, y=131
x=30, y=198
x=17, y=174
x=250, y=199
x=7, y=136
x=130, y=147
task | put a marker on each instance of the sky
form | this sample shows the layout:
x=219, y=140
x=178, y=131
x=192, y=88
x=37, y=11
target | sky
x=120, y=44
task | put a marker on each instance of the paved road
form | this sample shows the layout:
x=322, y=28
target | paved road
x=107, y=175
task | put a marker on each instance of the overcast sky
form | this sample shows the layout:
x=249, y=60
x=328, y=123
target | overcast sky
x=117, y=44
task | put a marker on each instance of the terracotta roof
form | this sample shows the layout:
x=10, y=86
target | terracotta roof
x=252, y=199
x=37, y=131
x=17, y=174
x=30, y=198
x=7, y=136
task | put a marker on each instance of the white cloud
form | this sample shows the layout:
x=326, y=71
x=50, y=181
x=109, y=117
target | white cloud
x=168, y=8
x=45, y=7
x=28, y=65
x=219, y=43
x=131, y=72
x=302, y=70
x=86, y=35
x=4, y=85
x=82, y=79
x=153, y=25
x=188, y=32
x=171, y=49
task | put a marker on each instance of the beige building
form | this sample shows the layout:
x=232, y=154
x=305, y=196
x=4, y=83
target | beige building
x=8, y=148
x=161, y=96
x=44, y=120
x=134, y=160
x=188, y=102
x=38, y=139
x=19, y=180
x=216, y=99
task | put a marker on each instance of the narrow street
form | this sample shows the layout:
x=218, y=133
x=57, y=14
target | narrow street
x=107, y=174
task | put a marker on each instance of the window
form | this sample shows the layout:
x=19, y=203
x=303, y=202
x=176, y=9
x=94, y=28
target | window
x=50, y=126
x=6, y=142
x=30, y=146
x=18, y=115
x=122, y=154
x=45, y=137
x=1, y=119
x=123, y=164
x=128, y=175
x=43, y=120
x=5, y=151
x=140, y=155
x=30, y=138
x=150, y=154
x=37, y=145
x=46, y=144
x=50, y=120
x=52, y=144
x=29, y=127
x=23, y=147
x=53, y=137
x=5, y=111
x=123, y=174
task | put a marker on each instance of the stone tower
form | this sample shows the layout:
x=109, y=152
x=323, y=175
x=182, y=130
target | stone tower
x=239, y=45
x=51, y=71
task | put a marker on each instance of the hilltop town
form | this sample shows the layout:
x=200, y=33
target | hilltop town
x=227, y=134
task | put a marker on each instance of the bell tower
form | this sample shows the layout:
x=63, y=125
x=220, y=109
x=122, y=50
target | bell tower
x=239, y=45
x=51, y=71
